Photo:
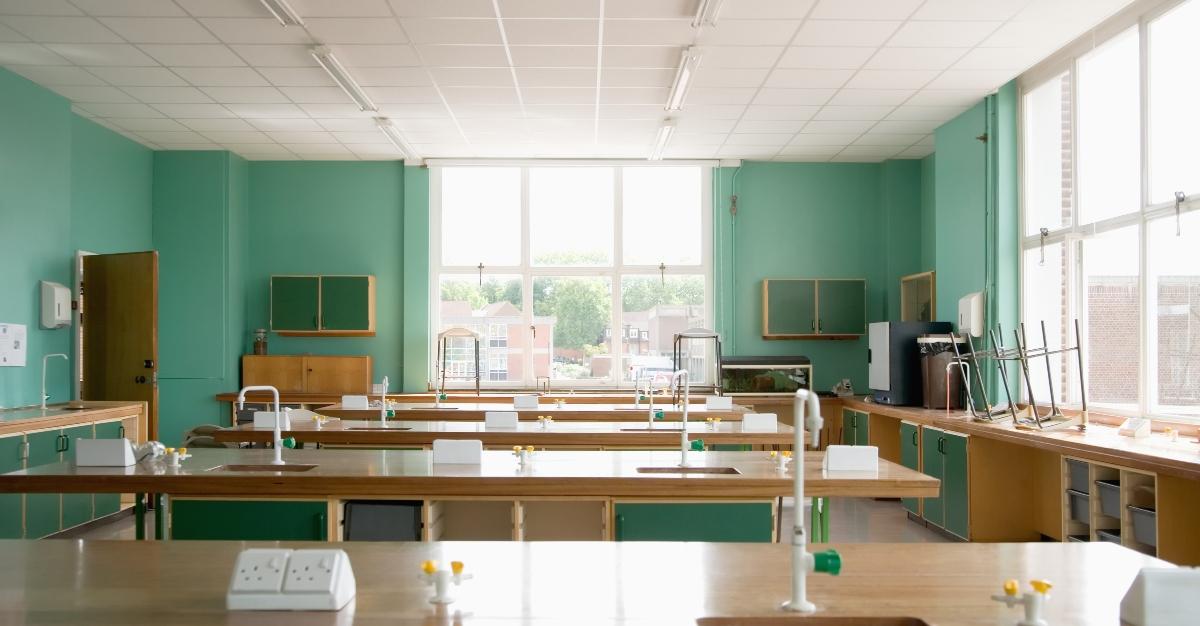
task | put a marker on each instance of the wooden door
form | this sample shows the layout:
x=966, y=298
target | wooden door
x=339, y=375
x=120, y=330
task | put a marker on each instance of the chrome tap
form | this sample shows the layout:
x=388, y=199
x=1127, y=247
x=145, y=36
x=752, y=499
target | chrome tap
x=46, y=396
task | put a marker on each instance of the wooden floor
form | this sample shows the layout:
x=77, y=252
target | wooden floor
x=854, y=520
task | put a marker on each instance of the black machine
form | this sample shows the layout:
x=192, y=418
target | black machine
x=894, y=360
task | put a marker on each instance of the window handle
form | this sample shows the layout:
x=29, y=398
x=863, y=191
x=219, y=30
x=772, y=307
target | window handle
x=1180, y=198
x=534, y=329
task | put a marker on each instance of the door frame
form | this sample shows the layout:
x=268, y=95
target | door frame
x=77, y=320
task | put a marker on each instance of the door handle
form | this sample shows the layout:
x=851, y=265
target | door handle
x=148, y=364
x=534, y=329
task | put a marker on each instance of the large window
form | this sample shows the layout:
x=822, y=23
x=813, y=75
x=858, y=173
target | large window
x=577, y=272
x=1108, y=138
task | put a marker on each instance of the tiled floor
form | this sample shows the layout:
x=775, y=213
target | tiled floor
x=853, y=520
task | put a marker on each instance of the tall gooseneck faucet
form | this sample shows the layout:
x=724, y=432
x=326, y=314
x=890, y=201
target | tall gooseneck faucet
x=278, y=437
x=804, y=562
x=46, y=396
x=681, y=378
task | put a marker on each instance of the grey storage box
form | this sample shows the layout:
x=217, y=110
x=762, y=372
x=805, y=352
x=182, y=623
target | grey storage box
x=1110, y=497
x=1078, y=476
x=1145, y=525
x=382, y=520
x=1078, y=539
x=1111, y=536
x=1079, y=506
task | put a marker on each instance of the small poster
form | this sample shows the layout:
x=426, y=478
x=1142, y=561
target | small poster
x=12, y=345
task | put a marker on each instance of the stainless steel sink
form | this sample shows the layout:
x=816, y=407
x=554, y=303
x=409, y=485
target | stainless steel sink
x=379, y=428
x=291, y=468
x=688, y=470
x=815, y=620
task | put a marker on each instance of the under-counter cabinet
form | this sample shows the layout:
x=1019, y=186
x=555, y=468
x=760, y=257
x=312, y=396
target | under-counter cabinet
x=43, y=511
x=944, y=457
x=694, y=521
x=855, y=428
x=108, y=503
x=339, y=306
x=910, y=457
x=76, y=507
x=249, y=520
x=12, y=516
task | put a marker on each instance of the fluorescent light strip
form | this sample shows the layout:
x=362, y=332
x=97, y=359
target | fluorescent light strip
x=282, y=12
x=706, y=13
x=393, y=135
x=664, y=137
x=340, y=76
x=683, y=78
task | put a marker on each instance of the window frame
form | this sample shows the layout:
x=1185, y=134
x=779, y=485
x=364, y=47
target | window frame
x=1074, y=233
x=527, y=271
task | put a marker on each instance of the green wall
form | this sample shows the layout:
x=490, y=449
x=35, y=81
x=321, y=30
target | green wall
x=416, y=279
x=65, y=184
x=928, y=212
x=902, y=233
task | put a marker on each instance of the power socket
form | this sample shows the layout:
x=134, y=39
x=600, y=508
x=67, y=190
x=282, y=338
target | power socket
x=259, y=570
x=311, y=571
x=291, y=580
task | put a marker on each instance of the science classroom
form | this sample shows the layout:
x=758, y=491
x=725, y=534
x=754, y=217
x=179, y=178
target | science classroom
x=599, y=312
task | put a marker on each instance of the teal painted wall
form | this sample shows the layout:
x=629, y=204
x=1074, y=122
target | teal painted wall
x=959, y=200
x=65, y=184
x=902, y=234
x=330, y=218
x=416, y=279
x=928, y=213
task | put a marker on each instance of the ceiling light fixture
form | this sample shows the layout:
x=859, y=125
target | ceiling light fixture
x=282, y=12
x=706, y=13
x=393, y=135
x=664, y=137
x=683, y=78
x=340, y=76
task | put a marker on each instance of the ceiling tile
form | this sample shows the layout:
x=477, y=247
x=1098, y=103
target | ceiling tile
x=656, y=112
x=758, y=9
x=259, y=151
x=825, y=57
x=825, y=127
x=891, y=79
x=98, y=54
x=906, y=127
x=168, y=95
x=275, y=110
x=761, y=112
x=646, y=56
x=914, y=58
x=639, y=95
x=203, y=124
x=560, y=112
x=348, y=124
x=45, y=29
x=794, y=96
x=909, y=112
x=237, y=136
x=869, y=151
x=718, y=95
x=223, y=8
x=50, y=75
x=463, y=56
x=916, y=152
x=1014, y=59
x=845, y=32
x=221, y=76
x=120, y=109
x=175, y=30
x=409, y=95
x=703, y=125
x=549, y=8
x=630, y=77
x=557, y=95
x=355, y=30
x=749, y=33
x=472, y=76
x=293, y=136
x=361, y=137
x=572, y=77
x=92, y=93
x=945, y=97
x=300, y=124
x=808, y=78
x=720, y=77
x=553, y=56
x=254, y=31
x=736, y=56
x=188, y=110
x=342, y=8
x=864, y=9
x=942, y=34
x=984, y=80
x=8, y=34
x=853, y=113
x=139, y=76
x=648, y=32
x=375, y=55
x=758, y=139
x=315, y=95
x=876, y=138
x=275, y=55
x=552, y=32
x=443, y=8
x=996, y=10
x=132, y=8
x=389, y=77
x=769, y=126
x=138, y=124
x=871, y=96
x=643, y=9
x=193, y=55
x=37, y=7
x=245, y=95
x=459, y=31
x=170, y=136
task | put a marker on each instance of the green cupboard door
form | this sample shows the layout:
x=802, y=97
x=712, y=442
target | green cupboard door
x=931, y=465
x=841, y=307
x=345, y=303
x=848, y=416
x=43, y=511
x=108, y=503
x=954, y=485
x=294, y=302
x=11, y=505
x=791, y=307
x=250, y=520
x=910, y=457
x=862, y=429
x=76, y=507
x=694, y=521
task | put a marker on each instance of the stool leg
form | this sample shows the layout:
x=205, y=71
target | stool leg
x=139, y=516
x=160, y=517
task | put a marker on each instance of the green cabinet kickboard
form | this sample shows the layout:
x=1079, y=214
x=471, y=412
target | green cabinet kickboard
x=107, y=503
x=345, y=303
x=11, y=505
x=932, y=465
x=43, y=511
x=910, y=457
x=76, y=507
x=694, y=521
x=841, y=307
x=295, y=302
x=249, y=520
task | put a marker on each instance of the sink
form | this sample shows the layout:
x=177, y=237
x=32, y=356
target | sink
x=688, y=470
x=379, y=428
x=815, y=620
x=665, y=429
x=262, y=468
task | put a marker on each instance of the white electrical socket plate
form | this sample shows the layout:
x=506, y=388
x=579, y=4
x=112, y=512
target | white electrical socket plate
x=267, y=579
x=500, y=419
x=760, y=422
x=718, y=403
x=525, y=402
x=266, y=419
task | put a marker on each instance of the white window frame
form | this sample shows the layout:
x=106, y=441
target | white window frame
x=1139, y=16
x=527, y=271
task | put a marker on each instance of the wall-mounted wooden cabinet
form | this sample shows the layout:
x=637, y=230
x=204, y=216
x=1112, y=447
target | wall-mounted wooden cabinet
x=814, y=308
x=329, y=306
x=337, y=375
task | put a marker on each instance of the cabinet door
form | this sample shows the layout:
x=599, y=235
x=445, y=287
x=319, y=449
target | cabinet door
x=294, y=302
x=848, y=426
x=283, y=372
x=11, y=504
x=108, y=503
x=931, y=465
x=76, y=507
x=346, y=303
x=910, y=457
x=338, y=375
x=841, y=307
x=954, y=484
x=43, y=511
x=694, y=521
x=791, y=307
x=250, y=520
x=862, y=429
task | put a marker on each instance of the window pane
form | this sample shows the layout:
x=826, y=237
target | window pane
x=661, y=215
x=653, y=310
x=481, y=216
x=492, y=309
x=1110, y=275
x=571, y=215
x=578, y=312
x=1173, y=269
x=1044, y=299
x=1109, y=136
x=1174, y=92
x=1047, y=155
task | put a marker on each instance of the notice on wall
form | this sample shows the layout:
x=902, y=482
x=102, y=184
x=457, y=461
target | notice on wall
x=12, y=345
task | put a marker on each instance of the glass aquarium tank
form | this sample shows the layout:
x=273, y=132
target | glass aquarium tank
x=765, y=375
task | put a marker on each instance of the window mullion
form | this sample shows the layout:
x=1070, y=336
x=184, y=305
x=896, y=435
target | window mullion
x=529, y=375
x=616, y=320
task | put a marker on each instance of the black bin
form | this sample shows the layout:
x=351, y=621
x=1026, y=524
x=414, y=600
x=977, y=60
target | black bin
x=382, y=520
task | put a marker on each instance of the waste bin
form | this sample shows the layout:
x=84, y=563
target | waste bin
x=936, y=354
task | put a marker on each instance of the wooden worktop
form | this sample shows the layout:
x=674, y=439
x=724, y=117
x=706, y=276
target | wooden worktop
x=474, y=411
x=412, y=472
x=58, y=416
x=1100, y=442
x=297, y=397
x=116, y=583
x=569, y=433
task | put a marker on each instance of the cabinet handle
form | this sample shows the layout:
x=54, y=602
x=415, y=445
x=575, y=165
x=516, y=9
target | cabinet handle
x=58, y=443
x=66, y=443
x=942, y=445
x=618, y=526
x=121, y=432
x=914, y=437
x=814, y=326
x=321, y=527
x=820, y=326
